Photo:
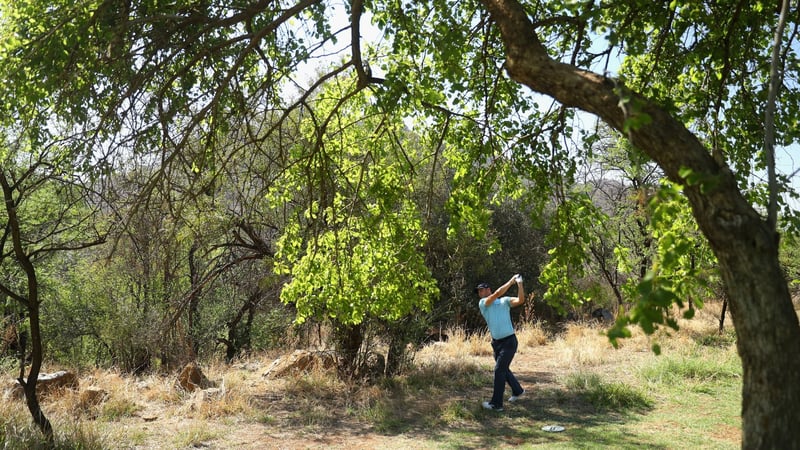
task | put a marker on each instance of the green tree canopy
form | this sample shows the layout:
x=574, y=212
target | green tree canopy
x=153, y=79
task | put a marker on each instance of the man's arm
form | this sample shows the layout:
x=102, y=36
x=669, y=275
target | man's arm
x=520, y=298
x=500, y=291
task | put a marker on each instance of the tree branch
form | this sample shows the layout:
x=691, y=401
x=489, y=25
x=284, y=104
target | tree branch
x=775, y=81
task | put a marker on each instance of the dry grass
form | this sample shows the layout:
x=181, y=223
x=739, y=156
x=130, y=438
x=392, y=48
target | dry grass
x=247, y=410
x=583, y=345
x=461, y=343
x=532, y=335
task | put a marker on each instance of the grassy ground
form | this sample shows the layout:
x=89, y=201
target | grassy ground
x=688, y=397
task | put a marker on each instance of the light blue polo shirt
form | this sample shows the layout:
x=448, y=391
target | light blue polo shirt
x=498, y=317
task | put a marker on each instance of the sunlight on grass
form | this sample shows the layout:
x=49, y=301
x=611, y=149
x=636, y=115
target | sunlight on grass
x=118, y=408
x=266, y=419
x=196, y=436
x=604, y=395
x=715, y=339
x=678, y=369
x=458, y=411
x=231, y=398
x=532, y=334
x=447, y=374
x=460, y=344
x=384, y=418
x=581, y=345
x=315, y=383
x=16, y=433
x=134, y=437
x=315, y=416
x=699, y=393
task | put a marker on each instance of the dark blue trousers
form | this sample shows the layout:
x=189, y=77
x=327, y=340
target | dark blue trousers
x=504, y=351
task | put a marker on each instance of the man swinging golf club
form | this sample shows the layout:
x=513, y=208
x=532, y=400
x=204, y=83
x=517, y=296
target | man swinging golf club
x=496, y=309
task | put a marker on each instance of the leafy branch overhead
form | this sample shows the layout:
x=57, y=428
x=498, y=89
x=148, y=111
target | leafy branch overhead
x=321, y=124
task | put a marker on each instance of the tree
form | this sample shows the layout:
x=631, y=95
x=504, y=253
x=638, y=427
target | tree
x=47, y=210
x=613, y=239
x=623, y=188
x=153, y=79
x=352, y=245
x=744, y=243
x=180, y=262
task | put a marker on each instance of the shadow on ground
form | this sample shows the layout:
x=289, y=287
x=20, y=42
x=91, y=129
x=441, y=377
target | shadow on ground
x=449, y=414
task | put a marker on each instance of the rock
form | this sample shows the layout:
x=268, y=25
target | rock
x=46, y=384
x=206, y=395
x=192, y=378
x=603, y=315
x=300, y=361
x=49, y=383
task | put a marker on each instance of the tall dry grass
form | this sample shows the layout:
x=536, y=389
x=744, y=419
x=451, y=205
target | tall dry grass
x=461, y=344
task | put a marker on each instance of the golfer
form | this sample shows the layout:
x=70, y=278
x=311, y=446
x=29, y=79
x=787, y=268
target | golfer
x=497, y=312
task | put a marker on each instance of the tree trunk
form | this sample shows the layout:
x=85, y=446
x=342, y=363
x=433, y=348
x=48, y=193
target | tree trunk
x=348, y=340
x=30, y=300
x=746, y=248
x=400, y=334
x=194, y=301
x=239, y=336
x=29, y=385
x=722, y=314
